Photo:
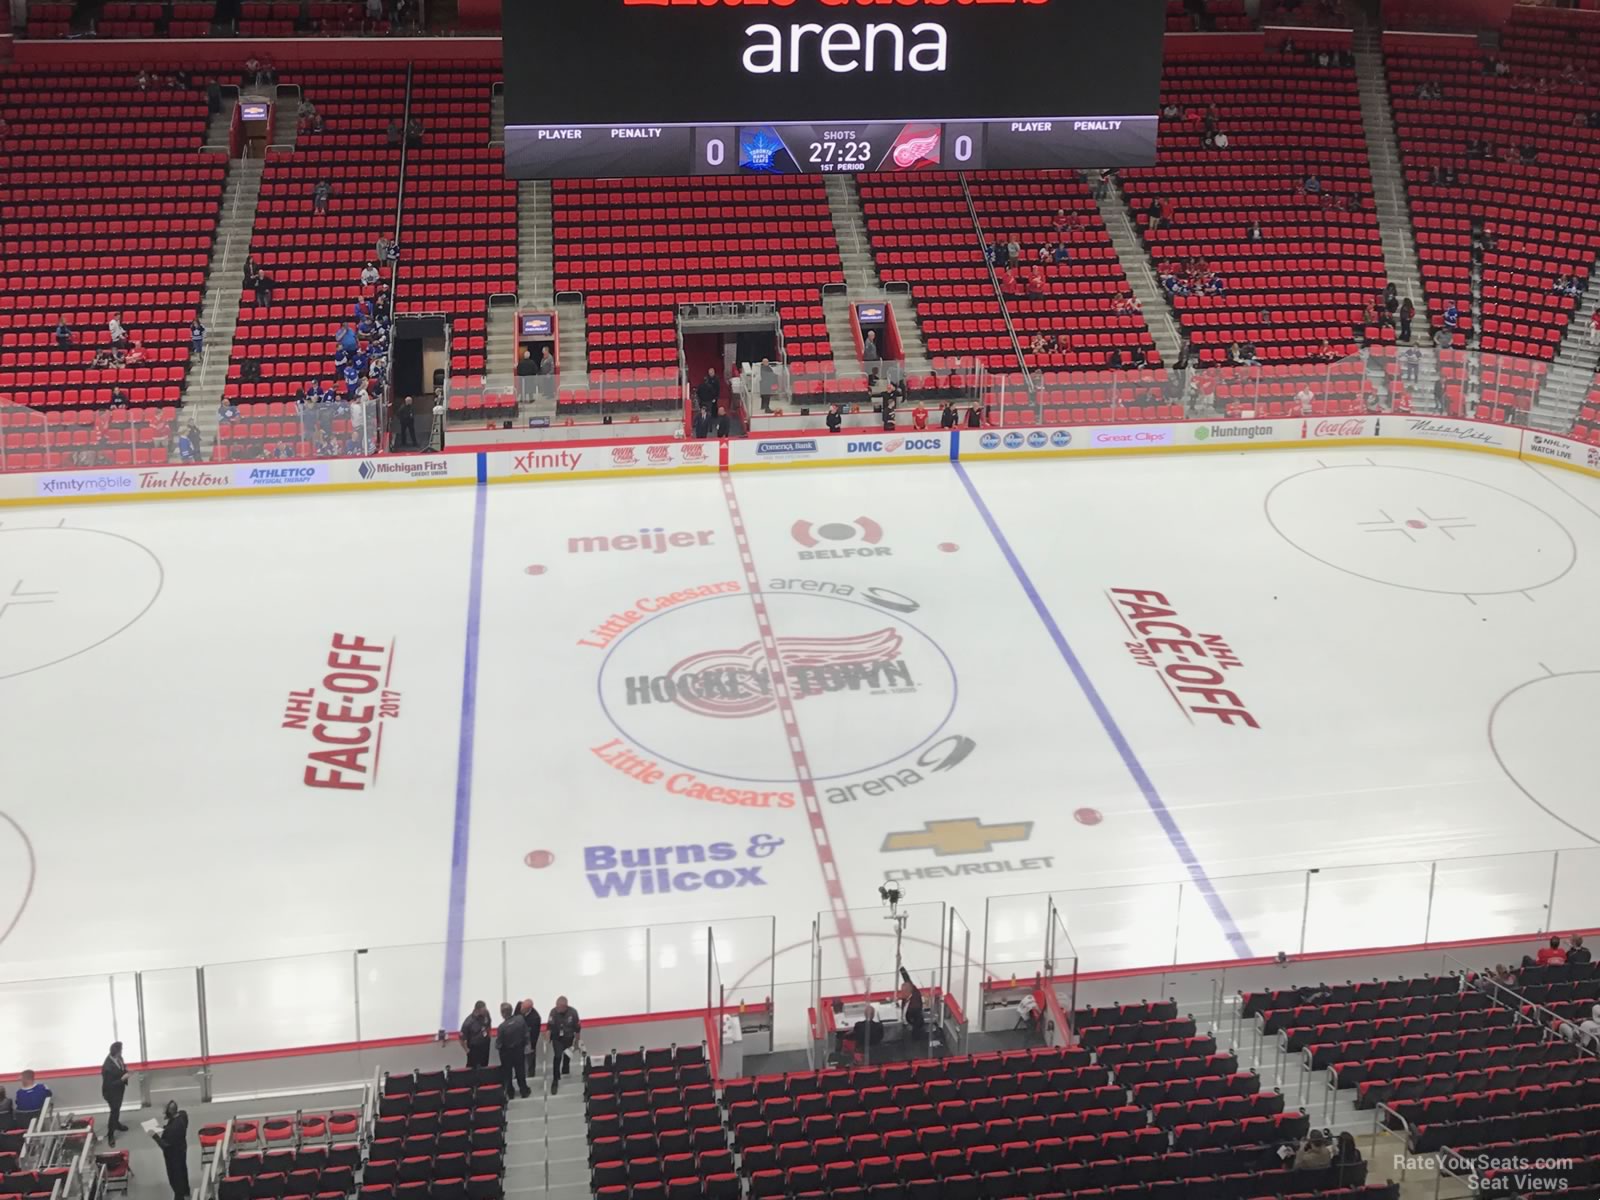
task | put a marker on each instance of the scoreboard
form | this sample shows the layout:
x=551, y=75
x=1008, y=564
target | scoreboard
x=617, y=88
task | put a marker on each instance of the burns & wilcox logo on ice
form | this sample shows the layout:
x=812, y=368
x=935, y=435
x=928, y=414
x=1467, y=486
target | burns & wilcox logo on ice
x=344, y=714
x=655, y=870
x=378, y=469
x=1194, y=668
x=737, y=683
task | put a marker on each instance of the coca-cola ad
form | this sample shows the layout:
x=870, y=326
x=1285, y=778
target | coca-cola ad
x=1332, y=428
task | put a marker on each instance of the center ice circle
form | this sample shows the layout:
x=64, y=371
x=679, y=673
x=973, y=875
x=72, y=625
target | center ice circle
x=1424, y=530
x=694, y=687
x=64, y=591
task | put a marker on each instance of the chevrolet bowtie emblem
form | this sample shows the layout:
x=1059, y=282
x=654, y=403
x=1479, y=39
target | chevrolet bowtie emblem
x=966, y=836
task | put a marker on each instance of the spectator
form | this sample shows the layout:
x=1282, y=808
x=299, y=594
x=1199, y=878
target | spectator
x=527, y=371
x=415, y=133
x=1000, y=254
x=547, y=372
x=768, y=383
x=707, y=393
x=1552, y=955
x=887, y=408
x=1577, y=952
x=1314, y=1154
x=406, y=411
x=1411, y=364
x=834, y=419
x=310, y=118
x=1103, y=182
x=564, y=1027
x=1312, y=186
x=1408, y=312
x=192, y=432
x=474, y=1035
x=723, y=426
x=321, y=192
x=118, y=332
x=1590, y=1028
x=63, y=333
x=30, y=1096
x=174, y=1142
x=1060, y=222
x=1014, y=248
x=1062, y=253
x=369, y=275
x=947, y=416
x=864, y=1034
x=363, y=311
x=394, y=135
x=1035, y=283
x=919, y=416
x=533, y=1022
x=910, y=997
x=8, y=1108
x=386, y=250
x=1303, y=399
x=869, y=348
x=1351, y=1170
x=511, y=1040
x=975, y=417
x=1254, y=232
x=197, y=337
x=113, y=1086
x=346, y=339
x=185, y=447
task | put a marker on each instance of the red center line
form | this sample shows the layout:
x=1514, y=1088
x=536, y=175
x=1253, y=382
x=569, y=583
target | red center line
x=797, y=749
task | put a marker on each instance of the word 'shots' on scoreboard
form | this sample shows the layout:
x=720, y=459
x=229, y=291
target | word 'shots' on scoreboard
x=620, y=88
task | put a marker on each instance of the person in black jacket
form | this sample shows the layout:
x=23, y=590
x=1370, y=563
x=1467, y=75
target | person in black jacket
x=113, y=1086
x=1577, y=952
x=835, y=419
x=947, y=416
x=174, y=1142
x=534, y=1023
x=512, y=1042
x=564, y=1028
x=475, y=1035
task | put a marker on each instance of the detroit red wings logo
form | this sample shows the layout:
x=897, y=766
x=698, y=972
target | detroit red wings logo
x=738, y=683
x=917, y=148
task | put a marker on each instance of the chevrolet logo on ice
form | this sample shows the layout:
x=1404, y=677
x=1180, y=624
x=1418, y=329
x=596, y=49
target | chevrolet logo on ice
x=966, y=836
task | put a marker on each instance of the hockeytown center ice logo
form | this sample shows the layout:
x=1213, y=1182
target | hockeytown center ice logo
x=739, y=682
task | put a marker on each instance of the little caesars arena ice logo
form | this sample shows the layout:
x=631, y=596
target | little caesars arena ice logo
x=739, y=682
x=835, y=673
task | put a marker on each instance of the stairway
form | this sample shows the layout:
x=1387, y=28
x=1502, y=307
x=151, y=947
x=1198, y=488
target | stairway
x=1157, y=310
x=219, y=126
x=1573, y=372
x=535, y=245
x=500, y=341
x=219, y=303
x=286, y=118
x=547, y=1147
x=850, y=227
x=572, y=349
x=1393, y=203
x=864, y=286
x=497, y=115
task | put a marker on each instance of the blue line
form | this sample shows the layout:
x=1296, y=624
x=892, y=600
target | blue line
x=463, y=819
x=1152, y=798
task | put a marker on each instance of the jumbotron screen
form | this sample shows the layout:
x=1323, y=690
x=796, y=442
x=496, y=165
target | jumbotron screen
x=618, y=88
